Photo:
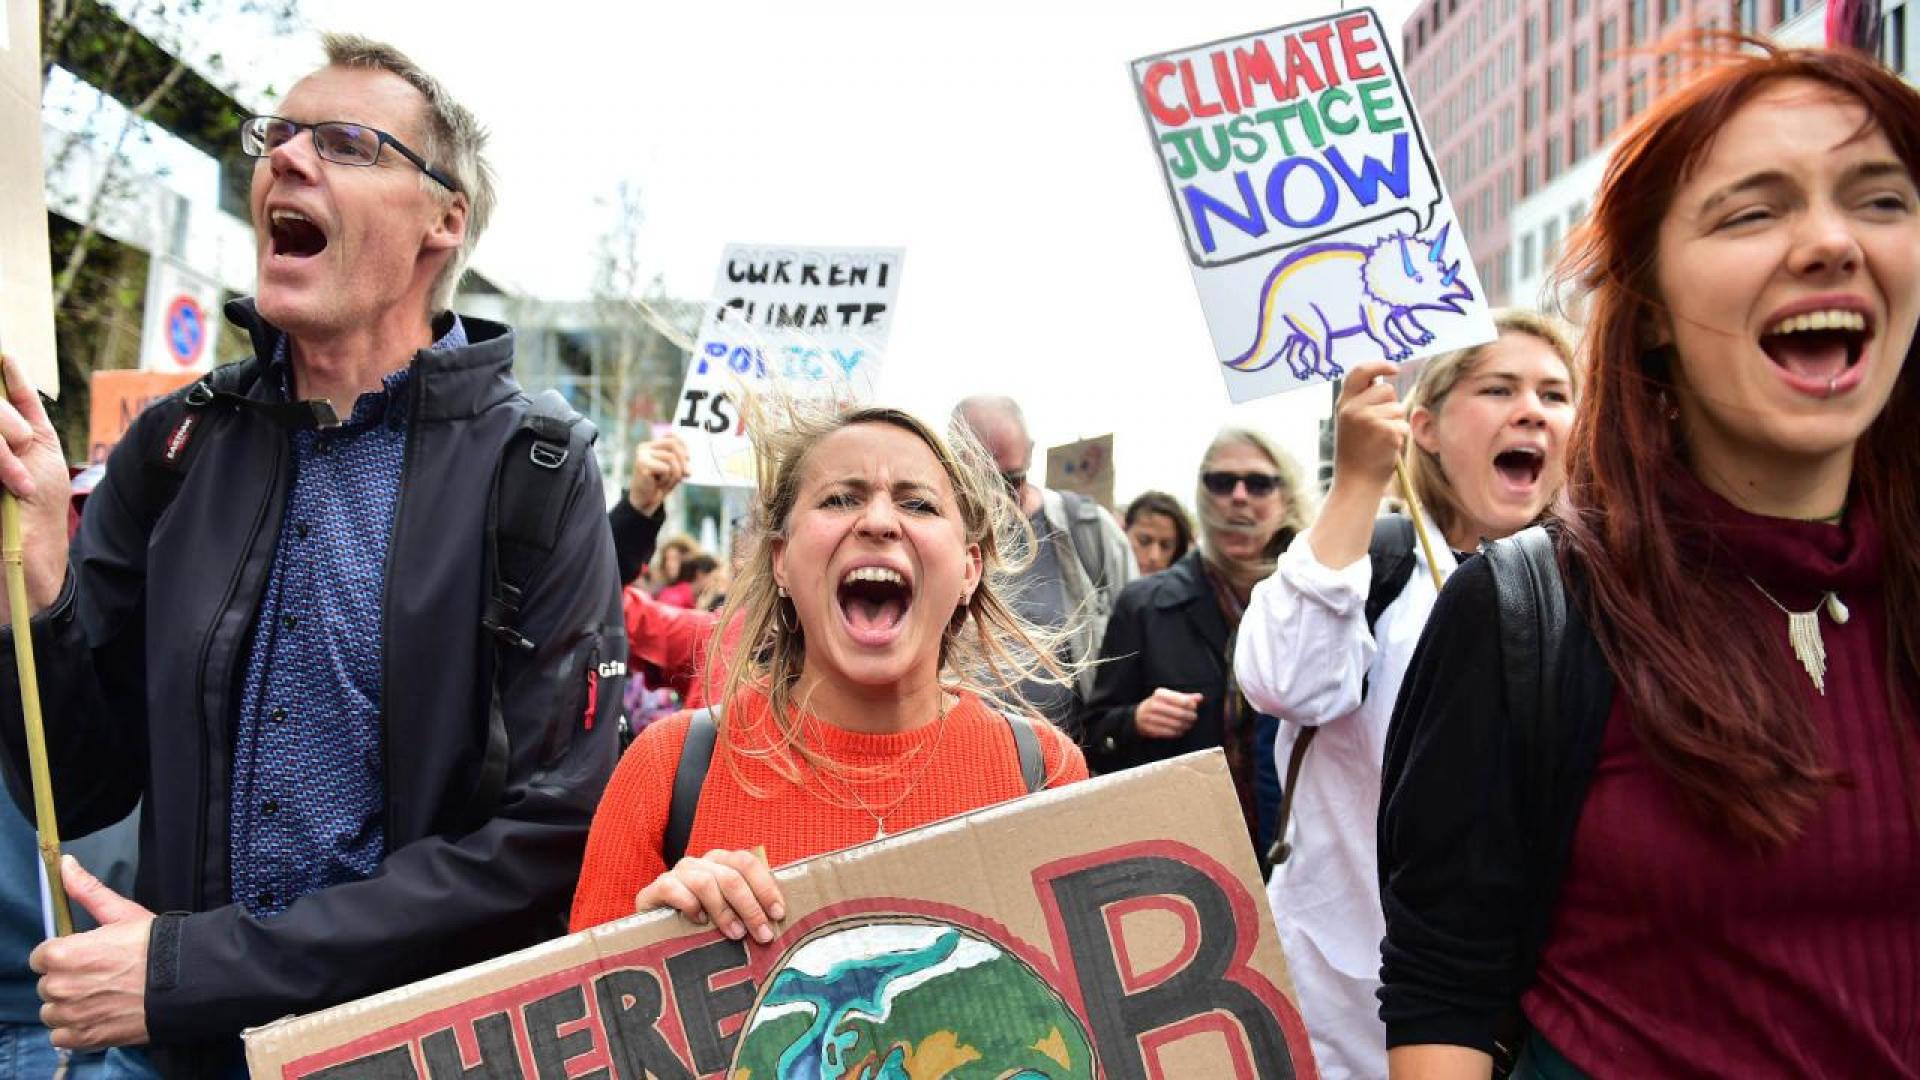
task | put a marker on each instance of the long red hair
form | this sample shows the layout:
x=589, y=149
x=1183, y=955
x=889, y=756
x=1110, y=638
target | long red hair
x=1711, y=696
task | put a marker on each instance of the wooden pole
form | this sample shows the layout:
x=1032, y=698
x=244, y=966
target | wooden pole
x=1419, y=526
x=12, y=552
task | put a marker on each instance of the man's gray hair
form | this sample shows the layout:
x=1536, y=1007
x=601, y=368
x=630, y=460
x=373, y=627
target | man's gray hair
x=981, y=411
x=453, y=143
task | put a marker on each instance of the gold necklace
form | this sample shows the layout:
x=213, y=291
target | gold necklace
x=929, y=750
x=1803, y=633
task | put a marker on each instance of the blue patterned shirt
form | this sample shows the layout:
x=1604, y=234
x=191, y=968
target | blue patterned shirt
x=309, y=794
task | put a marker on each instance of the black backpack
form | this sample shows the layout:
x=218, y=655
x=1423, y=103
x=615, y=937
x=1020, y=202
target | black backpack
x=1391, y=554
x=536, y=469
x=696, y=755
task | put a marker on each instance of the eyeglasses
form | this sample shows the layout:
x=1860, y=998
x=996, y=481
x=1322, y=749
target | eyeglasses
x=338, y=141
x=1259, y=485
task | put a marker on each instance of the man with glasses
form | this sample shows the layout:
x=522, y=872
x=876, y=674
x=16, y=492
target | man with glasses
x=1079, y=565
x=365, y=759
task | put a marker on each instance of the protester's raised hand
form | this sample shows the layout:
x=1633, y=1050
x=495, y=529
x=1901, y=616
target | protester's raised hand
x=658, y=467
x=733, y=889
x=34, y=470
x=1370, y=428
x=1167, y=714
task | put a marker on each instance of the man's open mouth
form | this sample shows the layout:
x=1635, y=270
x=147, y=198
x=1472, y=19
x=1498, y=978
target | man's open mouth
x=874, y=601
x=1520, y=466
x=1818, y=347
x=294, y=235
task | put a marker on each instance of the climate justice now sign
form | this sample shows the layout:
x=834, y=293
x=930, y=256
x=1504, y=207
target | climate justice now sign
x=1115, y=928
x=1315, y=221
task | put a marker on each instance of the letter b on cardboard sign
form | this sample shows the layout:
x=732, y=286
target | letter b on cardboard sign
x=1201, y=989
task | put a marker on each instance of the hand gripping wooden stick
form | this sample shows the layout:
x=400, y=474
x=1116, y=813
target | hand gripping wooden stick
x=11, y=551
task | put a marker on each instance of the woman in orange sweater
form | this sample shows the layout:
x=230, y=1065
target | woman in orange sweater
x=851, y=706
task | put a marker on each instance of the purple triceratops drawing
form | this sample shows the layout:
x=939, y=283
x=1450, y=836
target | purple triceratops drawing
x=1324, y=292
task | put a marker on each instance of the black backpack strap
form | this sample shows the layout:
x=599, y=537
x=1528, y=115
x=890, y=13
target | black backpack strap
x=696, y=755
x=1026, y=745
x=531, y=485
x=1532, y=599
x=1391, y=551
x=173, y=444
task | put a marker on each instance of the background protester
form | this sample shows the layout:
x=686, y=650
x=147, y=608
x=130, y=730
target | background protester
x=318, y=823
x=1076, y=566
x=1327, y=638
x=1158, y=528
x=1698, y=853
x=1164, y=685
x=659, y=465
x=665, y=570
x=696, y=570
x=871, y=622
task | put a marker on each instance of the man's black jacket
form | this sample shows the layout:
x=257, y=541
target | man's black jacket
x=140, y=661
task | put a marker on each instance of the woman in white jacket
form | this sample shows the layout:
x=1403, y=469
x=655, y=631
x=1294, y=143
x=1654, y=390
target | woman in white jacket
x=1489, y=427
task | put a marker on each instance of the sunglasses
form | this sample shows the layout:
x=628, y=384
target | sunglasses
x=1259, y=485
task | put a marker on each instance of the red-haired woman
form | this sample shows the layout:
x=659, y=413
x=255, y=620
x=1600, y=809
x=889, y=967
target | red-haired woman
x=1703, y=859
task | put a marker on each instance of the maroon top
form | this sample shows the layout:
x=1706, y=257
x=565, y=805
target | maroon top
x=1676, y=951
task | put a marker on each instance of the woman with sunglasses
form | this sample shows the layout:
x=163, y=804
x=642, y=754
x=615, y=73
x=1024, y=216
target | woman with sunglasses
x=1329, y=635
x=1164, y=683
x=1696, y=850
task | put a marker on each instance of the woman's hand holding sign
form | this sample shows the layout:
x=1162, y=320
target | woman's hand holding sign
x=733, y=889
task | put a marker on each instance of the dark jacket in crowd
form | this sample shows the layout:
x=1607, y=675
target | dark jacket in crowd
x=1167, y=630
x=140, y=662
x=634, y=534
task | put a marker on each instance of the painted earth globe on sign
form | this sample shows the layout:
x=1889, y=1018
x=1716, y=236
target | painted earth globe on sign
x=908, y=999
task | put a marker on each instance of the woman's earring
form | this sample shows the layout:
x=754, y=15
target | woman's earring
x=782, y=590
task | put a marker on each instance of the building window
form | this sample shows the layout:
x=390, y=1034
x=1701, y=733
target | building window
x=1669, y=66
x=1669, y=12
x=1578, y=139
x=1553, y=89
x=1637, y=94
x=1582, y=54
x=1526, y=255
x=1553, y=159
x=1609, y=116
x=1578, y=8
x=1636, y=21
x=1532, y=97
x=1529, y=169
x=1533, y=38
x=1486, y=207
x=1553, y=21
x=1549, y=244
x=1506, y=129
x=1505, y=196
x=1609, y=43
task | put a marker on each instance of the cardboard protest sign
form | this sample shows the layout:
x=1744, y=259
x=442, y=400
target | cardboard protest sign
x=117, y=398
x=1314, y=217
x=1115, y=928
x=813, y=319
x=26, y=266
x=1084, y=467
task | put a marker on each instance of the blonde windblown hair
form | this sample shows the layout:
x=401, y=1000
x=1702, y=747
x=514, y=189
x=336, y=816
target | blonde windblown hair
x=987, y=649
x=1437, y=380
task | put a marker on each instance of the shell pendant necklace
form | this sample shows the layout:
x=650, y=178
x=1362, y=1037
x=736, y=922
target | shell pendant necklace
x=1803, y=633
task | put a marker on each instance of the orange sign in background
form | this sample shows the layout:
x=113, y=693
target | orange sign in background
x=118, y=397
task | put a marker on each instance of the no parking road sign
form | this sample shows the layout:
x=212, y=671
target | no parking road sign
x=181, y=307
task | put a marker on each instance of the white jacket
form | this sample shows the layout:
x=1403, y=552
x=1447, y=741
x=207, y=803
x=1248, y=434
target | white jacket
x=1304, y=655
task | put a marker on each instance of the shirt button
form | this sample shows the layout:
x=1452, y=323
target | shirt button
x=270, y=807
x=301, y=529
x=265, y=900
x=277, y=716
x=290, y=621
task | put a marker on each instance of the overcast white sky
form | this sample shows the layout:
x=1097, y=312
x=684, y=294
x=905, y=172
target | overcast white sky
x=998, y=142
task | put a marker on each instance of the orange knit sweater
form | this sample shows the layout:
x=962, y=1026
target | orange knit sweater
x=948, y=767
